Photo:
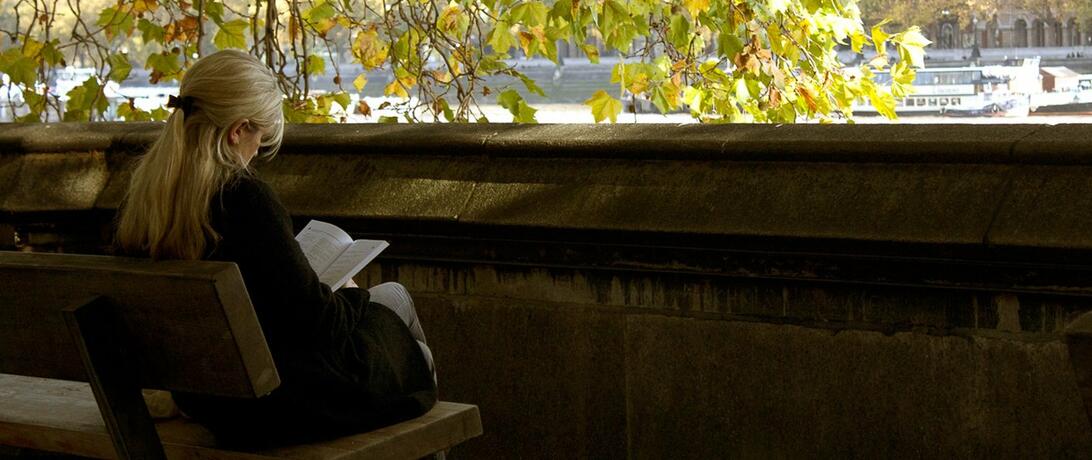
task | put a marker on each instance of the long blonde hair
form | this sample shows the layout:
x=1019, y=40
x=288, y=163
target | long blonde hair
x=165, y=213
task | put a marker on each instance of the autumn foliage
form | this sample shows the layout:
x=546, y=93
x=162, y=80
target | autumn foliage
x=722, y=60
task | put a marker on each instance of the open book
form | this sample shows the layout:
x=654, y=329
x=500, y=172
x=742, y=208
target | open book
x=334, y=255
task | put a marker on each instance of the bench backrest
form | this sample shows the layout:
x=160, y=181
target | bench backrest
x=187, y=325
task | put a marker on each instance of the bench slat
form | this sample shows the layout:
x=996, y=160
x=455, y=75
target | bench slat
x=61, y=416
x=189, y=325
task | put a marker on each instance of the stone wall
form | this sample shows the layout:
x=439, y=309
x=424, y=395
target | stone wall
x=687, y=291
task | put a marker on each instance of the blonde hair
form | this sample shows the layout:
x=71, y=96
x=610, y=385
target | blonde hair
x=165, y=213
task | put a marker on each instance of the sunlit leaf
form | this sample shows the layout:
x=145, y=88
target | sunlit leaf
x=603, y=106
x=119, y=67
x=521, y=112
x=591, y=51
x=232, y=34
x=369, y=49
x=316, y=65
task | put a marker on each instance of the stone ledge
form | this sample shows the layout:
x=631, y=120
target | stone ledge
x=988, y=187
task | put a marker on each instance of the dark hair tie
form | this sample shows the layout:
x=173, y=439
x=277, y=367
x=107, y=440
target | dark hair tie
x=185, y=103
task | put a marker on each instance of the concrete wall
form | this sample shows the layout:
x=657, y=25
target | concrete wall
x=688, y=291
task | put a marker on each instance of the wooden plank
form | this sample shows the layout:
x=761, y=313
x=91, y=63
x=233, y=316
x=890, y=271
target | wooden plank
x=61, y=416
x=92, y=326
x=191, y=322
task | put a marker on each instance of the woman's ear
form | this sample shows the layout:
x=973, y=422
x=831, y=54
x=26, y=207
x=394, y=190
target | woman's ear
x=235, y=131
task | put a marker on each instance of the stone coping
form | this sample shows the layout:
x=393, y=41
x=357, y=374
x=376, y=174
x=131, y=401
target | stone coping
x=991, y=186
x=911, y=143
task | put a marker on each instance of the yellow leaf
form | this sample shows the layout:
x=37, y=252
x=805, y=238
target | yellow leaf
x=592, y=51
x=638, y=84
x=451, y=20
x=525, y=40
x=140, y=6
x=395, y=88
x=359, y=82
x=400, y=86
x=879, y=37
x=369, y=49
x=696, y=6
x=603, y=106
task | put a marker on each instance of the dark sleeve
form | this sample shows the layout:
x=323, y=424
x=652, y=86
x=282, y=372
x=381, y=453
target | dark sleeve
x=292, y=304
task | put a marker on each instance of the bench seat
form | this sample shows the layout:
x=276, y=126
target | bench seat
x=62, y=416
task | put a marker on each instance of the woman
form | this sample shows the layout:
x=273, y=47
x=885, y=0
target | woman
x=347, y=363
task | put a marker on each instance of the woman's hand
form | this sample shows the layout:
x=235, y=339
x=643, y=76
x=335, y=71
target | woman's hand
x=350, y=283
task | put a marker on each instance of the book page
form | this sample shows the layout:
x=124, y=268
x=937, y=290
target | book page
x=322, y=243
x=359, y=254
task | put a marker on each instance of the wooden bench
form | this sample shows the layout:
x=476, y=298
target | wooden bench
x=126, y=324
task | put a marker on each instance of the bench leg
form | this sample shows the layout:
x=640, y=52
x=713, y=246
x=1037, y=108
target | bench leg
x=117, y=390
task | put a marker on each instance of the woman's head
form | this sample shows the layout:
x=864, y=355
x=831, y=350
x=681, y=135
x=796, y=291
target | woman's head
x=229, y=106
x=230, y=96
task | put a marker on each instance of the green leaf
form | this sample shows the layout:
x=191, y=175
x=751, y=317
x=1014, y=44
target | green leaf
x=501, y=37
x=51, y=54
x=119, y=67
x=531, y=85
x=128, y=112
x=679, y=32
x=84, y=99
x=164, y=66
x=215, y=11
x=388, y=119
x=666, y=97
x=232, y=34
x=445, y=109
x=19, y=68
x=562, y=9
x=342, y=98
x=521, y=112
x=114, y=22
x=316, y=65
x=529, y=13
x=160, y=114
x=729, y=44
x=604, y=106
x=150, y=31
x=318, y=13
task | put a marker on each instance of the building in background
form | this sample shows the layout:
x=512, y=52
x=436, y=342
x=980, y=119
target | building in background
x=1009, y=28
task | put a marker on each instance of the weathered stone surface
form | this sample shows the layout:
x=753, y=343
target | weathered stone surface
x=1047, y=207
x=54, y=182
x=911, y=203
x=701, y=383
x=714, y=389
x=1066, y=144
x=76, y=137
x=546, y=378
x=379, y=186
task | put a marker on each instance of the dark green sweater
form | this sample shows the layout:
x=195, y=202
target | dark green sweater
x=346, y=365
